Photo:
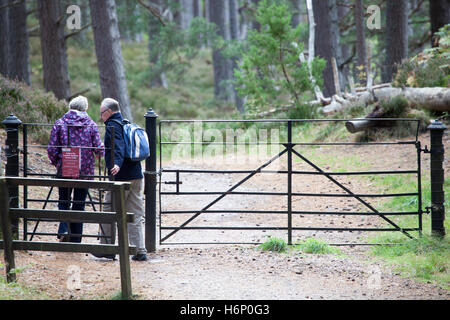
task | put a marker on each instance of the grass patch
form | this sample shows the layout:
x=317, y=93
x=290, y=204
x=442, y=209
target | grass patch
x=15, y=291
x=315, y=246
x=424, y=258
x=274, y=245
x=311, y=245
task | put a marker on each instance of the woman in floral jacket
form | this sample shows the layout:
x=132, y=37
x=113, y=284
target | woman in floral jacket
x=74, y=129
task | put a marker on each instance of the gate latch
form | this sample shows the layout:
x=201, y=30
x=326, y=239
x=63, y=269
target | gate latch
x=177, y=182
x=425, y=150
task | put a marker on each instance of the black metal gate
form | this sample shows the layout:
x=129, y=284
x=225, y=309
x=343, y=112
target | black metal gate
x=172, y=176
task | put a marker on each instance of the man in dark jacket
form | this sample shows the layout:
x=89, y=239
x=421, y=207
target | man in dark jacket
x=123, y=169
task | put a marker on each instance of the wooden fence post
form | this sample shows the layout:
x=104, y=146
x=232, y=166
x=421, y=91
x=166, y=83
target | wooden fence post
x=122, y=230
x=5, y=222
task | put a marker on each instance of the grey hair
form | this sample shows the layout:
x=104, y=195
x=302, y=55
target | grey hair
x=79, y=103
x=111, y=104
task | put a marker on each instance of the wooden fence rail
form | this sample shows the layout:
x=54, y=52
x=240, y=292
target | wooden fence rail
x=119, y=216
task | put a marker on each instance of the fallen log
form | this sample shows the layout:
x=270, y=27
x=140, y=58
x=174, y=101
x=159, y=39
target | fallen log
x=356, y=125
x=436, y=98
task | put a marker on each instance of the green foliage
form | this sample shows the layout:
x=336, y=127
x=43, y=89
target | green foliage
x=274, y=244
x=316, y=246
x=270, y=73
x=430, y=68
x=395, y=107
x=29, y=105
x=172, y=49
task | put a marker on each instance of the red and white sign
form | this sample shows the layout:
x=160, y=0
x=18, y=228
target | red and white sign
x=71, y=162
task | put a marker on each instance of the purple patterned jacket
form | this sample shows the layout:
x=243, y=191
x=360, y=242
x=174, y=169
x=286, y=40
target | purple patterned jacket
x=84, y=133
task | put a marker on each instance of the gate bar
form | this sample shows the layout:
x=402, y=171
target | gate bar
x=174, y=212
x=224, y=194
x=292, y=194
x=285, y=172
x=356, y=197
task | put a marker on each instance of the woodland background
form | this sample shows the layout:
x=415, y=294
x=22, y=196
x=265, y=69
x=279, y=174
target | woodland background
x=215, y=58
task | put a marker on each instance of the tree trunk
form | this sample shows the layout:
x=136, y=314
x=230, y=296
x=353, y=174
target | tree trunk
x=255, y=24
x=220, y=15
x=186, y=13
x=396, y=36
x=198, y=8
x=154, y=28
x=4, y=43
x=327, y=40
x=357, y=125
x=439, y=16
x=360, y=39
x=234, y=34
x=19, y=67
x=53, y=44
x=109, y=54
x=297, y=12
x=344, y=69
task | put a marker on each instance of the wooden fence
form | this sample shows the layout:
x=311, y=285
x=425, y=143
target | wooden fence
x=120, y=216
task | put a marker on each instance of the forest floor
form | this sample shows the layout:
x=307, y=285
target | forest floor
x=243, y=271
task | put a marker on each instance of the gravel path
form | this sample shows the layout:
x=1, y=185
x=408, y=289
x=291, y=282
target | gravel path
x=241, y=272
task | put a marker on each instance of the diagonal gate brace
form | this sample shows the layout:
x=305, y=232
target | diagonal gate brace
x=350, y=192
x=224, y=194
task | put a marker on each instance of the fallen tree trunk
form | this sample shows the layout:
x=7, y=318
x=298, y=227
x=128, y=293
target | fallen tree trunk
x=357, y=125
x=436, y=99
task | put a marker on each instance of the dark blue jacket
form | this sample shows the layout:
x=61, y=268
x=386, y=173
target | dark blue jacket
x=129, y=170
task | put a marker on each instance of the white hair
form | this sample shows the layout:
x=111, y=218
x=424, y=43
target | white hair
x=111, y=104
x=79, y=103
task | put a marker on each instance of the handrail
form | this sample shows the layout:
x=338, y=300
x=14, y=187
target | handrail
x=120, y=216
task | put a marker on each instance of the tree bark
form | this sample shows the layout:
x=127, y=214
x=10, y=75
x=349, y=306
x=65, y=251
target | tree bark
x=4, y=43
x=54, y=51
x=198, y=8
x=357, y=125
x=19, y=67
x=220, y=15
x=296, y=14
x=109, y=54
x=439, y=16
x=154, y=27
x=234, y=35
x=396, y=36
x=360, y=38
x=327, y=40
x=186, y=13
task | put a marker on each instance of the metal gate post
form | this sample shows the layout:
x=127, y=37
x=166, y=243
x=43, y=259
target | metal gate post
x=12, y=124
x=289, y=186
x=150, y=183
x=437, y=178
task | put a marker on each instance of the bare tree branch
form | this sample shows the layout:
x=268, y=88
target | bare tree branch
x=12, y=4
x=77, y=32
x=155, y=12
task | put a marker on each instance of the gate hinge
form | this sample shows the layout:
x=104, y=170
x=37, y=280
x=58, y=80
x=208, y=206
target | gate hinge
x=427, y=210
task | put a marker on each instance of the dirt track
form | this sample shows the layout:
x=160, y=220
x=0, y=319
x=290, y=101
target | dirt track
x=243, y=271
